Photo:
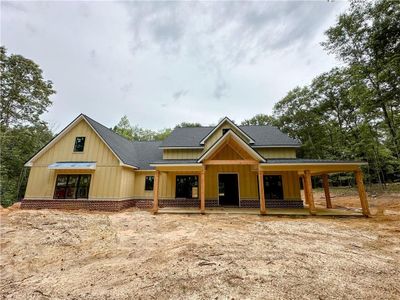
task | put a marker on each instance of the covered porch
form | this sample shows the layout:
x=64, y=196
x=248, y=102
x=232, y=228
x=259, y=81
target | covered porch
x=306, y=169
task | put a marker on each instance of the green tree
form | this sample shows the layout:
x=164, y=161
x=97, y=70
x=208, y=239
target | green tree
x=24, y=98
x=124, y=128
x=24, y=93
x=187, y=124
x=260, y=119
x=367, y=39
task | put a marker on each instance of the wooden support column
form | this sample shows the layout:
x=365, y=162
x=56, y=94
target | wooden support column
x=361, y=192
x=203, y=191
x=155, y=191
x=325, y=183
x=308, y=191
x=304, y=188
x=263, y=210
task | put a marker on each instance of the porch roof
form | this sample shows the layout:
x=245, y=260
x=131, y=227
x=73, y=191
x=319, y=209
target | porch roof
x=315, y=166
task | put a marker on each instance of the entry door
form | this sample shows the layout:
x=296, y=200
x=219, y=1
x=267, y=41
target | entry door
x=273, y=188
x=228, y=189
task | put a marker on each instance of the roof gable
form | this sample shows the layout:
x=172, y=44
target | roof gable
x=223, y=140
x=107, y=139
x=232, y=125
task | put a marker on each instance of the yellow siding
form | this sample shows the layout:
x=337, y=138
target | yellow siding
x=139, y=191
x=181, y=153
x=127, y=183
x=277, y=152
x=95, y=149
x=106, y=180
x=248, y=183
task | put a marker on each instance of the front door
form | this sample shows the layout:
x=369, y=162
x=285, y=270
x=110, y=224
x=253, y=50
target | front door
x=273, y=187
x=228, y=189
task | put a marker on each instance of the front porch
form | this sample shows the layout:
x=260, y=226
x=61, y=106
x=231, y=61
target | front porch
x=255, y=176
x=231, y=173
x=333, y=212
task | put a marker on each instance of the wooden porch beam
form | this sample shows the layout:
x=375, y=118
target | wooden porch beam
x=231, y=162
x=155, y=191
x=361, y=192
x=263, y=210
x=325, y=183
x=308, y=191
x=202, y=192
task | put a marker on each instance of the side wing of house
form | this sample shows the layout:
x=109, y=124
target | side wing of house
x=58, y=172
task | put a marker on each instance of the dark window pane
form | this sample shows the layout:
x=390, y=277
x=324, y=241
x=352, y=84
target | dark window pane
x=72, y=186
x=225, y=130
x=59, y=193
x=149, y=183
x=273, y=187
x=79, y=144
x=62, y=180
x=186, y=186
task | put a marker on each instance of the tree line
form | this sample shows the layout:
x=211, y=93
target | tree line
x=351, y=112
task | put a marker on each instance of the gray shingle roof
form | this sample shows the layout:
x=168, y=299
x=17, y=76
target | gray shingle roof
x=137, y=154
x=262, y=136
x=142, y=154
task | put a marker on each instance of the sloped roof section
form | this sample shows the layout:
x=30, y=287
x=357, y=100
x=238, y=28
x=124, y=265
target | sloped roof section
x=136, y=154
x=263, y=136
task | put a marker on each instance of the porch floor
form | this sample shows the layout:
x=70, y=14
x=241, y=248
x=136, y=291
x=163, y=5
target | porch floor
x=340, y=212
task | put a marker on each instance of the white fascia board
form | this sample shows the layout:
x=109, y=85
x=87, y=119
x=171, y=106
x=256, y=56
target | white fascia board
x=237, y=139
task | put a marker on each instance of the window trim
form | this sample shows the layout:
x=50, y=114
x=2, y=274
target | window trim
x=145, y=184
x=83, y=148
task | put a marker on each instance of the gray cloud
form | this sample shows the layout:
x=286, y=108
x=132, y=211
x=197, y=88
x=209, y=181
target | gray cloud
x=179, y=94
x=142, y=58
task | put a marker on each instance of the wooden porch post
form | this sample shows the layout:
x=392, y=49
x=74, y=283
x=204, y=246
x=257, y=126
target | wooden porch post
x=202, y=192
x=308, y=191
x=361, y=192
x=155, y=191
x=304, y=188
x=325, y=182
x=261, y=192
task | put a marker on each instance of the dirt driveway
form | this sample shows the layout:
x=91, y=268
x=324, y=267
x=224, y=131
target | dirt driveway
x=50, y=254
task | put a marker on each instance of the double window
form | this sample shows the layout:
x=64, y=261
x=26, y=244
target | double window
x=72, y=186
x=149, y=183
x=79, y=144
x=187, y=186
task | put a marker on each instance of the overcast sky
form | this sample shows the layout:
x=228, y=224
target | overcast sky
x=161, y=63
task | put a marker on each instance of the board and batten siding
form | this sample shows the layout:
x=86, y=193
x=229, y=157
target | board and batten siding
x=181, y=153
x=271, y=152
x=106, y=181
x=280, y=152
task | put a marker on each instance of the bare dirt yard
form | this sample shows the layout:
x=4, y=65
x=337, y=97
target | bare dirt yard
x=53, y=254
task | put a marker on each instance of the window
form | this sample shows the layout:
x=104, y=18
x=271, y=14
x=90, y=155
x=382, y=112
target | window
x=186, y=187
x=149, y=183
x=72, y=186
x=79, y=144
x=225, y=130
x=273, y=188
